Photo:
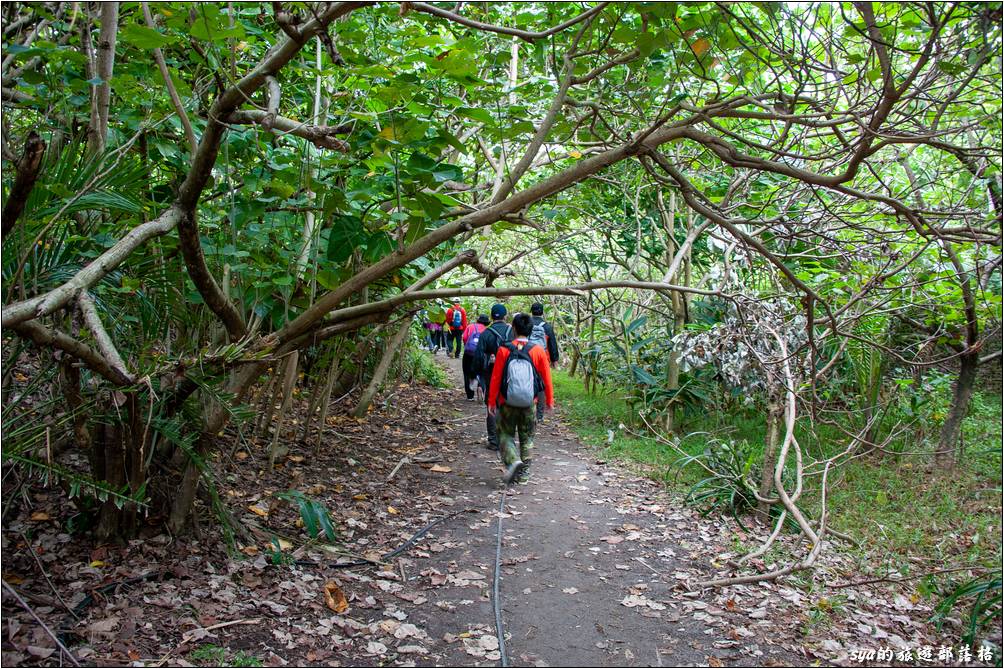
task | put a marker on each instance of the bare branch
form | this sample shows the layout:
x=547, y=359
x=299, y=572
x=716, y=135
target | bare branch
x=105, y=345
x=97, y=269
x=321, y=136
x=525, y=35
x=43, y=336
x=158, y=56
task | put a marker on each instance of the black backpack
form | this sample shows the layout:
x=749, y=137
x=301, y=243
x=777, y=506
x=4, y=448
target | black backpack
x=485, y=358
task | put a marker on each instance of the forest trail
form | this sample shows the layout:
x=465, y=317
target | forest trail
x=599, y=564
x=593, y=562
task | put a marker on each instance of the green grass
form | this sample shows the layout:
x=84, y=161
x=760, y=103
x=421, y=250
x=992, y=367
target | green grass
x=593, y=417
x=216, y=656
x=896, y=506
x=908, y=506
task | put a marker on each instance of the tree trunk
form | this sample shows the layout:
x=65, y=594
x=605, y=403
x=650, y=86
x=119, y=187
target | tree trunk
x=380, y=373
x=216, y=417
x=27, y=172
x=69, y=377
x=769, y=453
x=288, y=381
x=950, y=446
x=118, y=457
x=333, y=371
x=104, y=65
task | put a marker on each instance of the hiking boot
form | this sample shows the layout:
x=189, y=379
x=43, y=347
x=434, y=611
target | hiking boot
x=524, y=476
x=513, y=471
x=491, y=447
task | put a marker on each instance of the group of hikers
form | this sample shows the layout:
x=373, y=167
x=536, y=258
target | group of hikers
x=508, y=365
x=448, y=332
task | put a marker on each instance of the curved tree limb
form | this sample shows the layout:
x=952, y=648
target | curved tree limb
x=96, y=270
x=574, y=289
x=646, y=141
x=321, y=136
x=525, y=35
x=105, y=344
x=44, y=336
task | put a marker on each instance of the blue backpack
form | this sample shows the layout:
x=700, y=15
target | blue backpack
x=457, y=318
x=472, y=341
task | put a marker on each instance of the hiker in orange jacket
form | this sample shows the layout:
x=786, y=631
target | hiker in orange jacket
x=514, y=388
x=456, y=321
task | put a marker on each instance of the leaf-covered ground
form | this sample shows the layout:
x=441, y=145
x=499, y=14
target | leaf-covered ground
x=599, y=566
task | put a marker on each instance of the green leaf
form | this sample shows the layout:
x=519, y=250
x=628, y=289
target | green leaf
x=209, y=25
x=325, y=521
x=447, y=172
x=481, y=115
x=142, y=37
x=346, y=233
x=643, y=376
x=452, y=140
x=378, y=245
x=635, y=324
x=415, y=231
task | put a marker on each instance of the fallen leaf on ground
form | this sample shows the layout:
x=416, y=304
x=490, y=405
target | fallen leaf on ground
x=406, y=630
x=376, y=648
x=257, y=510
x=631, y=601
x=441, y=469
x=104, y=626
x=335, y=598
x=570, y=591
x=38, y=517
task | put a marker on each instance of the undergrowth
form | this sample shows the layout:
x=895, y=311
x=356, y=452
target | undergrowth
x=909, y=516
x=417, y=364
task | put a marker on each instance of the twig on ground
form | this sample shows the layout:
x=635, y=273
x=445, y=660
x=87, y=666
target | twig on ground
x=903, y=579
x=20, y=600
x=44, y=574
x=402, y=461
x=188, y=636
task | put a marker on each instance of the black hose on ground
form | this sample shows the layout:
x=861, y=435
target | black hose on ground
x=497, y=601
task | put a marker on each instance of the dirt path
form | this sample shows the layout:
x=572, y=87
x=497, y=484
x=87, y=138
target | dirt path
x=598, y=564
x=589, y=556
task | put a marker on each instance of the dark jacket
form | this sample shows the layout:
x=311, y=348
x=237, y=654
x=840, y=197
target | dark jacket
x=488, y=345
x=552, y=341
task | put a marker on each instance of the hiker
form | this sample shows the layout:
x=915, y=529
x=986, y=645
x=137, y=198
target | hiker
x=522, y=372
x=543, y=336
x=435, y=336
x=472, y=335
x=427, y=328
x=496, y=334
x=456, y=321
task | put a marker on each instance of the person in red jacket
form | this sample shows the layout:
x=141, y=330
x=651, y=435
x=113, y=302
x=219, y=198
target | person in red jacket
x=518, y=420
x=456, y=322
